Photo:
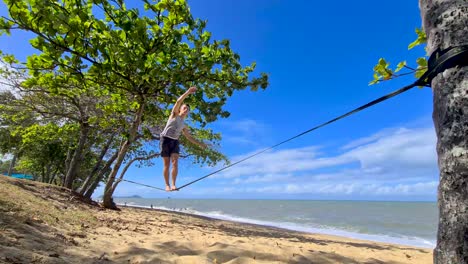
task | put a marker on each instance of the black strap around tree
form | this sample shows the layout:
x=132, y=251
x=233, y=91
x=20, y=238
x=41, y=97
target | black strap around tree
x=442, y=60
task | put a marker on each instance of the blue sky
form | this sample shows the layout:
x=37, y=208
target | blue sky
x=319, y=56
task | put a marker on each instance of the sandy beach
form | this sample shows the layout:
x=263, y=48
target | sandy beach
x=53, y=226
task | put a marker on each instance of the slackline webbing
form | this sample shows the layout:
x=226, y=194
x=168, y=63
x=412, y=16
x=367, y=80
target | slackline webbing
x=439, y=61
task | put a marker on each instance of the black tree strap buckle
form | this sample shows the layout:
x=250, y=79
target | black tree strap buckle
x=442, y=60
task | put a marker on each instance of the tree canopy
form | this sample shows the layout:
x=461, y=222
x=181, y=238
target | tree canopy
x=105, y=69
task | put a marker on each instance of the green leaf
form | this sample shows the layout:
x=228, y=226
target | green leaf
x=10, y=59
x=122, y=35
x=419, y=73
x=420, y=40
x=383, y=62
x=5, y=26
x=422, y=62
x=400, y=66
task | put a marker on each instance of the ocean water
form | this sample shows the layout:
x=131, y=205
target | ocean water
x=405, y=223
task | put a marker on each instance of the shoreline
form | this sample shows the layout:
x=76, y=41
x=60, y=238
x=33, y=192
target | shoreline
x=372, y=238
x=48, y=224
x=223, y=241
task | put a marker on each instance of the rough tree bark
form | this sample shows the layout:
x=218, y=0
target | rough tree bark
x=12, y=164
x=107, y=200
x=100, y=176
x=77, y=157
x=446, y=25
x=88, y=181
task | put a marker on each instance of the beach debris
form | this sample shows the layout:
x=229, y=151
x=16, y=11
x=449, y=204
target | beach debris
x=103, y=257
x=13, y=260
x=31, y=221
x=76, y=234
x=37, y=259
x=65, y=239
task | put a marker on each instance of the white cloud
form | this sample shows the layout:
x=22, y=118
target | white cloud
x=392, y=163
x=407, y=148
x=398, y=161
x=246, y=126
x=264, y=178
x=341, y=189
x=408, y=151
x=244, y=132
x=239, y=140
x=365, y=140
x=281, y=161
x=420, y=188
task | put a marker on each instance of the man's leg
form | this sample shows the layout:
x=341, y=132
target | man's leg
x=166, y=163
x=175, y=169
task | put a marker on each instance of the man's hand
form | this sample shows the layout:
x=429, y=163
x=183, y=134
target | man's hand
x=192, y=90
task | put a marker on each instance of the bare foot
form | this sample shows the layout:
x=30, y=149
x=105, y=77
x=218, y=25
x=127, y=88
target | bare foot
x=168, y=188
x=174, y=188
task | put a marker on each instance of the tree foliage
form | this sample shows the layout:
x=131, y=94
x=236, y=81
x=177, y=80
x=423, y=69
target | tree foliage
x=383, y=72
x=106, y=68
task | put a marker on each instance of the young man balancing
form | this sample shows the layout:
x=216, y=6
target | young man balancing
x=170, y=138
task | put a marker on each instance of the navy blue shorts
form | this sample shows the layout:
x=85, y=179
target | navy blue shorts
x=169, y=146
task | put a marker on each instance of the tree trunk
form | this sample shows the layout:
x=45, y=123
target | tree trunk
x=12, y=164
x=48, y=173
x=77, y=156
x=106, y=169
x=446, y=25
x=89, y=192
x=68, y=159
x=109, y=190
x=125, y=146
x=51, y=180
x=87, y=182
x=130, y=164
